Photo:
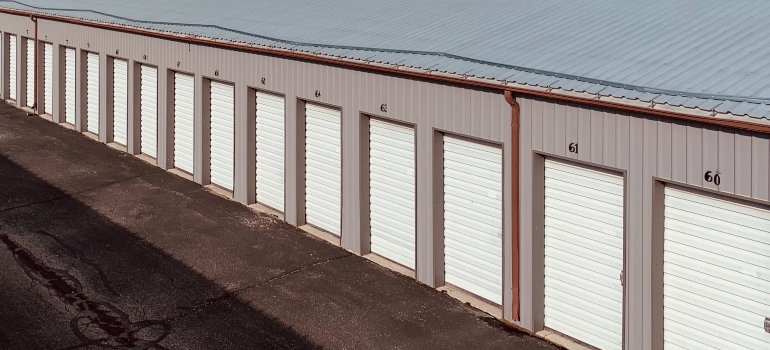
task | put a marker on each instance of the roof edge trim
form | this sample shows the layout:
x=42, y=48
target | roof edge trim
x=588, y=99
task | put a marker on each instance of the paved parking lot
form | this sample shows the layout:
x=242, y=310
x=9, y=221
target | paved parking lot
x=101, y=250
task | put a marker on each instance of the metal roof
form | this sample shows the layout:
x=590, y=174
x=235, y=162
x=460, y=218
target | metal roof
x=712, y=55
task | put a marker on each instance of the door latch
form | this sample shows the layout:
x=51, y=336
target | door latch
x=767, y=324
x=623, y=282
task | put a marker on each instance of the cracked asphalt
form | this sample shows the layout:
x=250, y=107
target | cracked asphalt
x=100, y=250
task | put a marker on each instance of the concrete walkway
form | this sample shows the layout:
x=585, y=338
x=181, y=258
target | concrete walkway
x=100, y=249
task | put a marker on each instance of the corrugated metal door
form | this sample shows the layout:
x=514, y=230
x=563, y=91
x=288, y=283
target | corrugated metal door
x=323, y=167
x=30, y=72
x=48, y=79
x=716, y=263
x=584, y=254
x=184, y=121
x=392, y=191
x=222, y=135
x=270, y=150
x=92, y=93
x=12, y=67
x=69, y=85
x=120, y=101
x=149, y=110
x=473, y=218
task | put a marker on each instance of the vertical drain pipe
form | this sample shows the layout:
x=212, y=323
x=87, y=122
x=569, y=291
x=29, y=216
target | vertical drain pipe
x=515, y=288
x=34, y=104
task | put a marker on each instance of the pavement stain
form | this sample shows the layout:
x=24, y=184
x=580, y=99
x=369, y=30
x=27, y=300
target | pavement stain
x=98, y=323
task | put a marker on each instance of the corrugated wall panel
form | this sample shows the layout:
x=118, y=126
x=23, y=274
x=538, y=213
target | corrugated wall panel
x=30, y=75
x=645, y=148
x=429, y=105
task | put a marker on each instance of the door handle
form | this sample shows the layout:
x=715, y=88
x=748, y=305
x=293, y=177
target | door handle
x=767, y=324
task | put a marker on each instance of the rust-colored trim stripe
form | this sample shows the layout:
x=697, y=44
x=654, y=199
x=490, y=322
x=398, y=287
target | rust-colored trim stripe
x=515, y=306
x=738, y=124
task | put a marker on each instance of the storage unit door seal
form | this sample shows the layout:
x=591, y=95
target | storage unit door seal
x=392, y=191
x=270, y=150
x=584, y=254
x=48, y=80
x=716, y=273
x=69, y=85
x=149, y=111
x=92, y=94
x=222, y=135
x=323, y=168
x=473, y=218
x=120, y=101
x=184, y=121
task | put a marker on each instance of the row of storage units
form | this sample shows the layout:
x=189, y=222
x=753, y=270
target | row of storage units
x=472, y=171
x=709, y=258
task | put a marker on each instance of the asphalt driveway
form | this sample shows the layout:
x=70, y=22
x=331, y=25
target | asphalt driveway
x=99, y=249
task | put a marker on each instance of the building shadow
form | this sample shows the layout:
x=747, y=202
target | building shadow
x=72, y=278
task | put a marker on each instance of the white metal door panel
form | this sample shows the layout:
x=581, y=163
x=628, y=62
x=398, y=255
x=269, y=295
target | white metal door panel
x=48, y=80
x=184, y=121
x=12, y=67
x=392, y=191
x=30, y=72
x=584, y=254
x=270, y=150
x=716, y=264
x=473, y=218
x=120, y=101
x=69, y=85
x=92, y=93
x=323, y=167
x=149, y=110
x=222, y=135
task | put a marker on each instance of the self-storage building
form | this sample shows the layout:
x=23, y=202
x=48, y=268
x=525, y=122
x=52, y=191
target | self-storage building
x=601, y=180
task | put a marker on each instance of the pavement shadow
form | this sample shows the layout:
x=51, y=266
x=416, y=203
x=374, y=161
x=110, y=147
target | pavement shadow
x=72, y=278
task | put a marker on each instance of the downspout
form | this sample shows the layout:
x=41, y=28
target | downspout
x=34, y=104
x=515, y=288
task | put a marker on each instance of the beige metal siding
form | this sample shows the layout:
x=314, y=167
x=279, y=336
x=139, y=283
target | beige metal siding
x=430, y=106
x=646, y=148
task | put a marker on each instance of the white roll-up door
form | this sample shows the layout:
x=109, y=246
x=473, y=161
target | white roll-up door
x=392, y=191
x=30, y=72
x=323, y=168
x=92, y=93
x=48, y=80
x=473, y=218
x=149, y=110
x=12, y=67
x=270, y=150
x=69, y=85
x=120, y=101
x=584, y=254
x=222, y=135
x=716, y=264
x=184, y=121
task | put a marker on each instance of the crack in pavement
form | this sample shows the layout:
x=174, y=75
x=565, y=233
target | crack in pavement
x=74, y=194
x=80, y=256
x=225, y=296
x=98, y=323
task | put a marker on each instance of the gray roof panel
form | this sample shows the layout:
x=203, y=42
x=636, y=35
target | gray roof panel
x=704, y=50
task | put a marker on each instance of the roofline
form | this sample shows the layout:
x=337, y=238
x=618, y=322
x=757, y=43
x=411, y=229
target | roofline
x=593, y=101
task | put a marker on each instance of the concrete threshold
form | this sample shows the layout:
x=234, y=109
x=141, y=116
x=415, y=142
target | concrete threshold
x=258, y=207
x=326, y=236
x=472, y=300
x=390, y=265
x=118, y=146
x=147, y=158
x=562, y=340
x=181, y=173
